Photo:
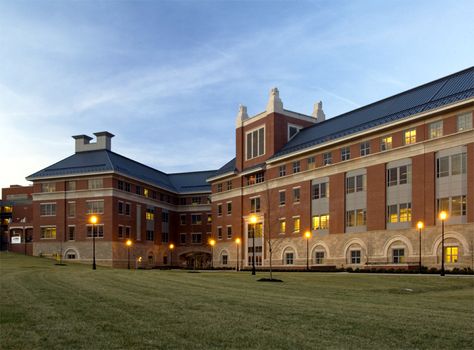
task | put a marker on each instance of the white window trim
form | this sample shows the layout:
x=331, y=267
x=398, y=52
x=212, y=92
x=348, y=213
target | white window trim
x=264, y=143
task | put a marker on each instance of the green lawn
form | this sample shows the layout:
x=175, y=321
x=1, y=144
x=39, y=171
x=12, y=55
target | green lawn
x=44, y=306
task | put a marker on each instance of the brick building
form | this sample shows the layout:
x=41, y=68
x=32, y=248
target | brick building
x=131, y=201
x=358, y=183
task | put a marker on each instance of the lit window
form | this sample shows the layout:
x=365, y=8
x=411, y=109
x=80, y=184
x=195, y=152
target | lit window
x=409, y=137
x=145, y=192
x=282, y=226
x=320, y=222
x=296, y=224
x=386, y=143
x=356, y=217
x=48, y=232
x=405, y=212
x=311, y=162
x=435, y=129
x=209, y=219
x=451, y=255
x=150, y=214
x=255, y=143
x=464, y=121
x=392, y=213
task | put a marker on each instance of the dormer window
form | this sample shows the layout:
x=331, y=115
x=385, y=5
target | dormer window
x=293, y=130
x=255, y=143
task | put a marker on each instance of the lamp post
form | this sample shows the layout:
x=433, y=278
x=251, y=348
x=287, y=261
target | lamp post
x=212, y=243
x=237, y=243
x=420, y=225
x=93, y=220
x=129, y=245
x=171, y=254
x=307, y=235
x=253, y=221
x=442, y=216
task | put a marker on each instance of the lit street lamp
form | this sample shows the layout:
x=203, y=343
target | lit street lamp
x=171, y=254
x=442, y=216
x=420, y=225
x=129, y=245
x=212, y=243
x=237, y=243
x=253, y=221
x=307, y=235
x=93, y=220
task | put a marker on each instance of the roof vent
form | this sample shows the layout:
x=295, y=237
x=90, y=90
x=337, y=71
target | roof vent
x=274, y=102
x=318, y=112
x=104, y=141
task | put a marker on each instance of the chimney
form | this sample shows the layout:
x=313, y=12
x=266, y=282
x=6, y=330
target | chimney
x=274, y=103
x=103, y=142
x=318, y=112
x=241, y=116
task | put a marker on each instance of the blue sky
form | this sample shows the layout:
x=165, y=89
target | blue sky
x=166, y=77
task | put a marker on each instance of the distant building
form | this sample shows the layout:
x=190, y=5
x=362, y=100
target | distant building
x=358, y=183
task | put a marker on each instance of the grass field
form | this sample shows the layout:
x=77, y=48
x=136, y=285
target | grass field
x=44, y=306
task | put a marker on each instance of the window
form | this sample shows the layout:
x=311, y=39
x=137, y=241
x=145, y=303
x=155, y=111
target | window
x=120, y=231
x=319, y=258
x=182, y=219
x=70, y=256
x=71, y=186
x=120, y=207
x=95, y=183
x=399, y=176
x=71, y=233
x=282, y=195
x=355, y=184
x=120, y=185
x=229, y=185
x=195, y=200
x=255, y=178
x=260, y=177
x=128, y=230
x=345, y=153
x=127, y=186
x=48, y=232
x=311, y=162
x=355, y=256
x=296, y=167
x=458, y=164
x=386, y=143
x=451, y=254
x=399, y=213
x=165, y=216
x=320, y=190
x=296, y=195
x=165, y=237
x=127, y=208
x=292, y=131
x=282, y=170
x=405, y=212
x=182, y=238
x=397, y=255
x=464, y=121
x=435, y=129
x=255, y=205
x=219, y=209
x=182, y=201
x=219, y=187
x=95, y=207
x=229, y=232
x=365, y=148
x=48, y=187
x=146, y=192
x=457, y=204
x=150, y=235
x=327, y=158
x=219, y=232
x=256, y=143
x=296, y=224
x=224, y=259
x=282, y=226
x=392, y=213
x=355, y=218
x=71, y=209
x=196, y=219
x=289, y=257
x=409, y=137
x=209, y=219
x=320, y=222
x=95, y=230
x=48, y=209
x=150, y=214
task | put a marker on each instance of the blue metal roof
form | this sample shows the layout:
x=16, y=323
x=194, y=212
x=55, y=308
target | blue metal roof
x=444, y=91
x=84, y=163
